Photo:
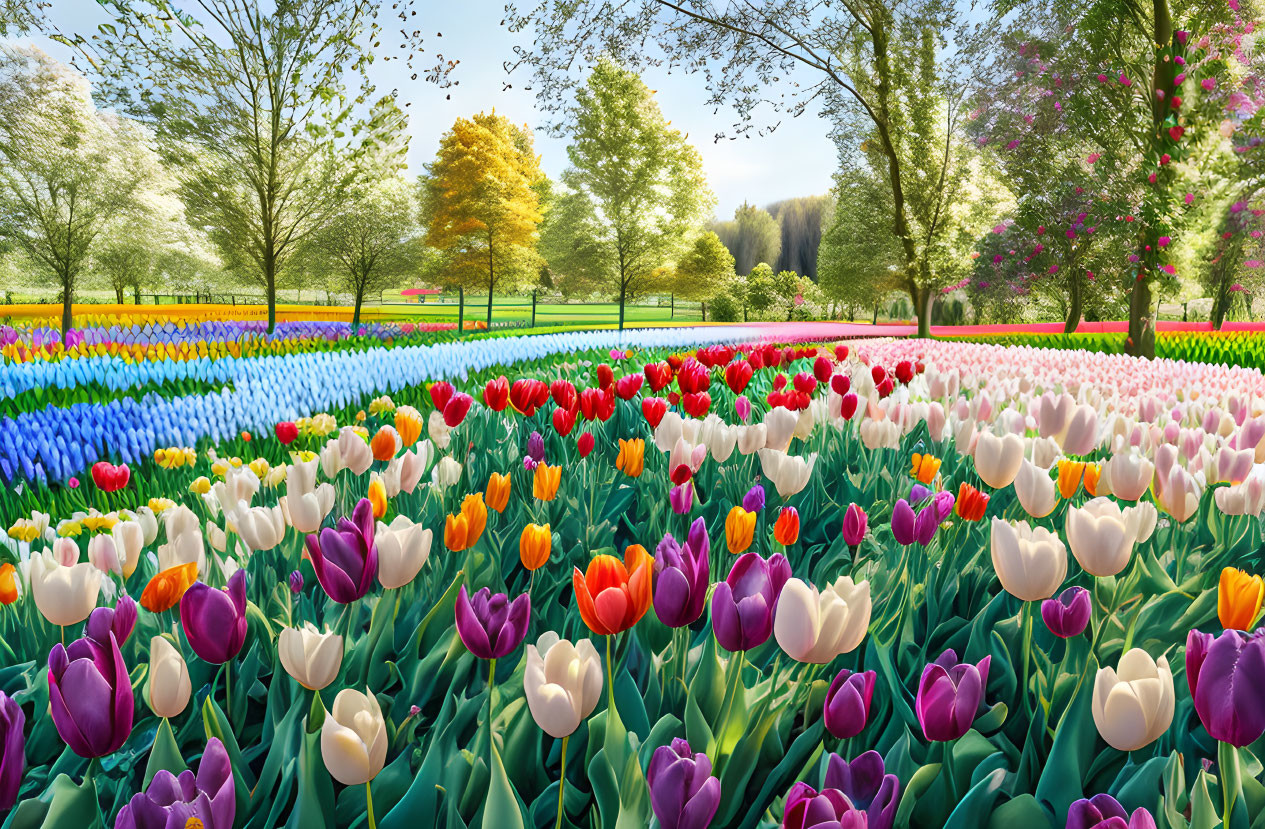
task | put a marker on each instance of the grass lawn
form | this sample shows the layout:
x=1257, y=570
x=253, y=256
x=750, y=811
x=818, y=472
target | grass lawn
x=518, y=309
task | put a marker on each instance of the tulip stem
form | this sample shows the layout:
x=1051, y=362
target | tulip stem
x=228, y=689
x=373, y=824
x=562, y=781
x=1026, y=614
x=727, y=706
x=610, y=676
x=1230, y=773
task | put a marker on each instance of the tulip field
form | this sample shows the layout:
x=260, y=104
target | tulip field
x=728, y=576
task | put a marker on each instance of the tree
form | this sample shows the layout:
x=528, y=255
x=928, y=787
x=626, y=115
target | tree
x=858, y=260
x=888, y=76
x=800, y=219
x=643, y=183
x=66, y=171
x=704, y=270
x=483, y=205
x=254, y=108
x=1150, y=98
x=371, y=243
x=752, y=236
x=572, y=243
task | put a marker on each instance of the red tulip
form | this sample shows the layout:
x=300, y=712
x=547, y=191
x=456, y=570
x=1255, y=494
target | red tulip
x=823, y=369
x=456, y=408
x=605, y=376
x=904, y=371
x=286, y=432
x=440, y=393
x=696, y=405
x=563, y=421
x=886, y=387
x=675, y=361
x=527, y=395
x=878, y=374
x=110, y=478
x=849, y=406
x=564, y=394
x=805, y=383
x=658, y=375
x=738, y=375
x=756, y=359
x=841, y=353
x=779, y=382
x=627, y=386
x=840, y=383
x=693, y=377
x=597, y=404
x=496, y=394
x=585, y=444
x=654, y=408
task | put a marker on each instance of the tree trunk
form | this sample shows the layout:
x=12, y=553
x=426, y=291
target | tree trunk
x=875, y=320
x=270, y=287
x=355, y=315
x=672, y=311
x=1220, y=305
x=1074, y=308
x=704, y=305
x=924, y=299
x=68, y=298
x=491, y=280
x=136, y=293
x=623, y=296
x=489, y=306
x=118, y=294
x=1141, y=339
x=461, y=311
x=533, y=309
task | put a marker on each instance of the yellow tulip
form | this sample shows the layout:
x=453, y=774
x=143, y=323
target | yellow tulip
x=739, y=529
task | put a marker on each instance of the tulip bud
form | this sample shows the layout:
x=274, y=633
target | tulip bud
x=683, y=792
x=816, y=626
x=403, y=547
x=354, y=738
x=847, y=705
x=1067, y=614
x=562, y=683
x=949, y=695
x=311, y=657
x=169, y=684
x=1030, y=564
x=1102, y=811
x=855, y=525
x=1133, y=705
x=535, y=546
x=64, y=595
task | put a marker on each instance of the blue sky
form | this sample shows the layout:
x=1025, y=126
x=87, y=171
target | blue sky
x=795, y=160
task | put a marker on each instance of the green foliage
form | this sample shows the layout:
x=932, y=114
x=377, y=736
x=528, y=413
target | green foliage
x=642, y=182
x=752, y=236
x=704, y=270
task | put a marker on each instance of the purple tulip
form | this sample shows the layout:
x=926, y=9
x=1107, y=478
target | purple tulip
x=1067, y=614
x=214, y=621
x=949, y=695
x=866, y=784
x=681, y=577
x=753, y=501
x=806, y=808
x=903, y=523
x=926, y=524
x=171, y=802
x=855, y=524
x=682, y=498
x=683, y=792
x=13, y=746
x=944, y=502
x=490, y=625
x=536, y=447
x=1226, y=674
x=296, y=582
x=744, y=603
x=346, y=559
x=119, y=620
x=847, y=705
x=90, y=694
x=918, y=493
x=1102, y=811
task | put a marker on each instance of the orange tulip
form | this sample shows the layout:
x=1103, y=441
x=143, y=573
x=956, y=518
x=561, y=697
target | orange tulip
x=8, y=584
x=476, y=513
x=739, y=529
x=534, y=546
x=925, y=467
x=1239, y=598
x=970, y=504
x=409, y=424
x=165, y=590
x=632, y=457
x=545, y=484
x=1070, y=474
x=786, y=528
x=1092, y=471
x=385, y=444
x=613, y=595
x=498, y=494
x=456, y=531
x=378, y=497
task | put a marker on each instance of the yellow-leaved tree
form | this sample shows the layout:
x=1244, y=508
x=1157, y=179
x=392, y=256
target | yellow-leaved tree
x=482, y=205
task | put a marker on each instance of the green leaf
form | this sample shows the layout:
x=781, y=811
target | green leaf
x=502, y=809
x=165, y=754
